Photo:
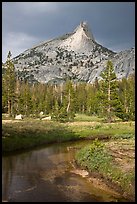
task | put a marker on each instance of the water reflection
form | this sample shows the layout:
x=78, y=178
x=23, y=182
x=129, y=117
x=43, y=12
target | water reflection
x=44, y=175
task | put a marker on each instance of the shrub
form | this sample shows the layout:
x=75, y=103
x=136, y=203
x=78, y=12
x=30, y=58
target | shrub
x=94, y=156
x=62, y=116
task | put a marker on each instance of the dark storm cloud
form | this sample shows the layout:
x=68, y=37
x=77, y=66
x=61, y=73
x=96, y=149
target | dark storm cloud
x=25, y=24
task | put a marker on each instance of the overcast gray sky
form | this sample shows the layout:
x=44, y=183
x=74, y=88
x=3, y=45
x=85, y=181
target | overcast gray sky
x=25, y=24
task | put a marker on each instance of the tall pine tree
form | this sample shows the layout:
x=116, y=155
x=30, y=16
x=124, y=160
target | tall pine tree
x=9, y=81
x=109, y=93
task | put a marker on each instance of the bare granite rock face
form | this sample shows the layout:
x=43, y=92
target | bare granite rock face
x=75, y=56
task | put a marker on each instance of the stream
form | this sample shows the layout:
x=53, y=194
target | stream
x=47, y=174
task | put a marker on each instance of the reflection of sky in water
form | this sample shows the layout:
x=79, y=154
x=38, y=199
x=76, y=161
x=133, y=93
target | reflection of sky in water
x=44, y=175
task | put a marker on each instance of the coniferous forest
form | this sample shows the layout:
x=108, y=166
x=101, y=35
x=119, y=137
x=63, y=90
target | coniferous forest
x=108, y=98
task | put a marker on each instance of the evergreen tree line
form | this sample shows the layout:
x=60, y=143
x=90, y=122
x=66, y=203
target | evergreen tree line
x=105, y=98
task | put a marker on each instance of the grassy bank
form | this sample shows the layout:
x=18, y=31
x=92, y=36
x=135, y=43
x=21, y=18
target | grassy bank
x=90, y=126
x=28, y=133
x=113, y=161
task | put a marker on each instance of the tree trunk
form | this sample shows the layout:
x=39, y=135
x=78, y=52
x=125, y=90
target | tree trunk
x=83, y=108
x=61, y=94
x=125, y=102
x=9, y=107
x=68, y=107
x=109, y=108
x=108, y=99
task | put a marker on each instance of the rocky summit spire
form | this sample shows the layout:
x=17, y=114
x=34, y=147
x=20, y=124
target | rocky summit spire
x=80, y=40
x=84, y=28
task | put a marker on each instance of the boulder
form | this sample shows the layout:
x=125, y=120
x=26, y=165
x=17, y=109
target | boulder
x=41, y=113
x=47, y=118
x=19, y=117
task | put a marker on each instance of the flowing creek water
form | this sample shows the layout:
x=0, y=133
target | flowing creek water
x=47, y=174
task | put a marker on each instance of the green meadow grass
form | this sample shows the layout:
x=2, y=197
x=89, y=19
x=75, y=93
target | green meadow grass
x=29, y=133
